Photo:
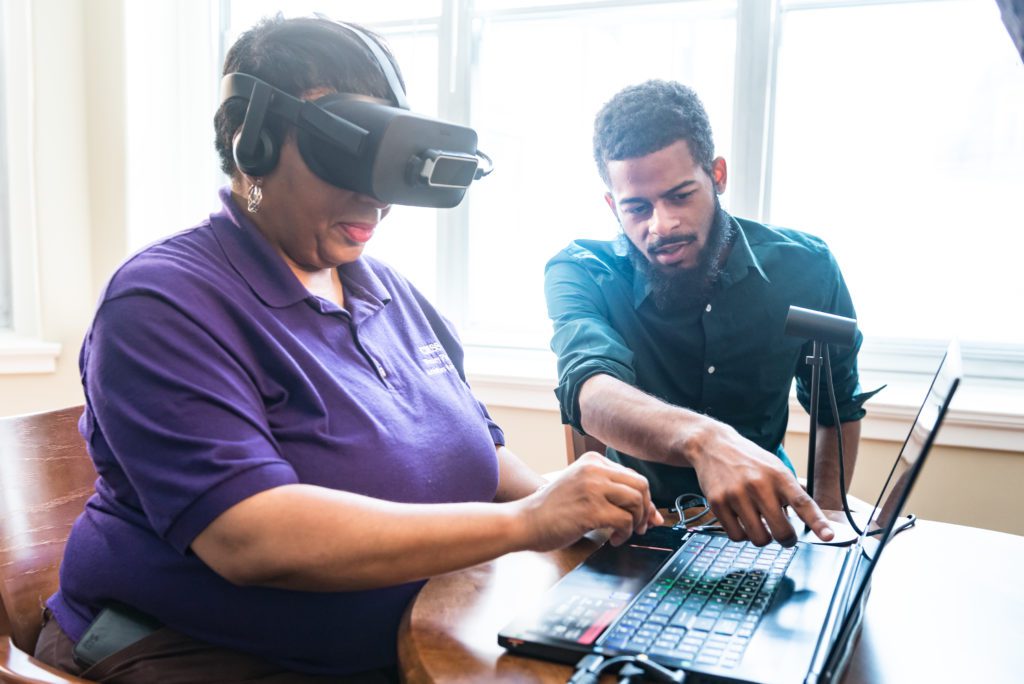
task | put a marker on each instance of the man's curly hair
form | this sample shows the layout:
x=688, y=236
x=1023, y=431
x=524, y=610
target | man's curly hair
x=645, y=118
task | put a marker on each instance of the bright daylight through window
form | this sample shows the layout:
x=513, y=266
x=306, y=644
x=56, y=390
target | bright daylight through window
x=890, y=129
x=6, y=296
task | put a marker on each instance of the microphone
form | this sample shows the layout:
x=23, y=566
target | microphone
x=822, y=329
x=820, y=326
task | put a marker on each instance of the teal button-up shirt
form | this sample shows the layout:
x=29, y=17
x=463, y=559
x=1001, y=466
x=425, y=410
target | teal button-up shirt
x=728, y=358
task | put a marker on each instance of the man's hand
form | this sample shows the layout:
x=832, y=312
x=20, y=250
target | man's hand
x=590, y=494
x=749, y=488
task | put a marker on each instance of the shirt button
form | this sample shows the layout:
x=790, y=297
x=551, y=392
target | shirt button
x=707, y=308
x=711, y=369
x=381, y=372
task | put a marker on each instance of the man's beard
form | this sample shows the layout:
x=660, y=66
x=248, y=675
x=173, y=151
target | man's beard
x=678, y=288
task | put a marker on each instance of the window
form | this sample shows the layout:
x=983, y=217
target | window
x=6, y=303
x=900, y=145
x=19, y=315
x=905, y=151
x=539, y=78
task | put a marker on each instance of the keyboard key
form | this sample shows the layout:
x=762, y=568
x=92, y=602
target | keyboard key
x=666, y=608
x=727, y=627
x=668, y=653
x=615, y=642
x=682, y=617
x=703, y=624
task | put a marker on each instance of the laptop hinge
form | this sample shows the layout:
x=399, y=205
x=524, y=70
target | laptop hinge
x=837, y=610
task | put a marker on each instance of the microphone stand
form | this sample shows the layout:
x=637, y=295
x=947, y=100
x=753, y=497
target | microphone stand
x=814, y=361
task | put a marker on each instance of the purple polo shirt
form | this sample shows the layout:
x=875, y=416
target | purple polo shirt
x=212, y=374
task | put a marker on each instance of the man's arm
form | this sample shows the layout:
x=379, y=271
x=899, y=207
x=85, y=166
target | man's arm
x=826, y=463
x=746, y=486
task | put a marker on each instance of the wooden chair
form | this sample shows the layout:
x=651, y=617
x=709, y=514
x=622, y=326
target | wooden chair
x=46, y=476
x=576, y=444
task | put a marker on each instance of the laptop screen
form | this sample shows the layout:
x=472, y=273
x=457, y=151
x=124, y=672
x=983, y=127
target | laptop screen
x=894, y=497
x=896, y=490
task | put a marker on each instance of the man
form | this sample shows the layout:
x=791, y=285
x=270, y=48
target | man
x=670, y=339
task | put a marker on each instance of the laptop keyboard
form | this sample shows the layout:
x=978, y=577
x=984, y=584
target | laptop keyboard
x=703, y=607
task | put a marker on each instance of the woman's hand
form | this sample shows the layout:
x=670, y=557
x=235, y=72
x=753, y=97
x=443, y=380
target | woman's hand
x=592, y=493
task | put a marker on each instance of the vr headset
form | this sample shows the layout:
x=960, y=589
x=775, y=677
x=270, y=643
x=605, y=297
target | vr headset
x=361, y=144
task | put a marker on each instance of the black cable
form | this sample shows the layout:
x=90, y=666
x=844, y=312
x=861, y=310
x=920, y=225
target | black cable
x=484, y=172
x=590, y=668
x=698, y=500
x=586, y=670
x=839, y=439
x=631, y=674
x=911, y=518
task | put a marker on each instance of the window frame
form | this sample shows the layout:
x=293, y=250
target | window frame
x=758, y=40
x=22, y=349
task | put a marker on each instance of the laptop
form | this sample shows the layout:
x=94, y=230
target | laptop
x=727, y=611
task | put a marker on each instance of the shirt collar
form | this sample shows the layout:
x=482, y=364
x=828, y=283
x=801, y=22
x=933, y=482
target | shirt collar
x=266, y=272
x=641, y=283
x=741, y=259
x=365, y=293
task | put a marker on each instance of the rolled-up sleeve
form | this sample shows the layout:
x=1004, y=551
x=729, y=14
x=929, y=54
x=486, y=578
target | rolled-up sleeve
x=583, y=340
x=850, y=397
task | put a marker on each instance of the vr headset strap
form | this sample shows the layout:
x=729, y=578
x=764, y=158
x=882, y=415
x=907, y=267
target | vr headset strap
x=264, y=97
x=384, y=63
x=255, y=113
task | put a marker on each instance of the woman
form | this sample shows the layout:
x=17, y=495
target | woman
x=285, y=444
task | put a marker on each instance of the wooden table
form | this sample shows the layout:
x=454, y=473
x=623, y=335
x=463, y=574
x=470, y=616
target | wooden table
x=947, y=605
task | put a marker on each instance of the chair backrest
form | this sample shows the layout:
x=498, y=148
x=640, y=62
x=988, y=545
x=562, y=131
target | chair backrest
x=46, y=476
x=577, y=443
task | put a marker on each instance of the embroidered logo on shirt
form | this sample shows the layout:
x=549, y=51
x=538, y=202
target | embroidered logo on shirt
x=434, y=359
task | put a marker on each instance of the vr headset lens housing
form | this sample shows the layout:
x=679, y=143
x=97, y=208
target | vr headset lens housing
x=404, y=158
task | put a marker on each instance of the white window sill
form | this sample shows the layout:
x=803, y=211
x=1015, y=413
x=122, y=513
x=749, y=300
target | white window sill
x=19, y=356
x=985, y=414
